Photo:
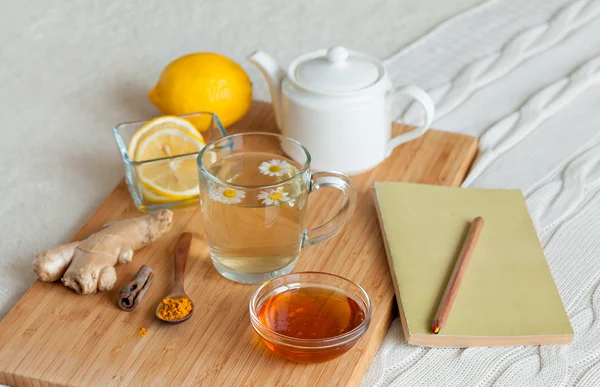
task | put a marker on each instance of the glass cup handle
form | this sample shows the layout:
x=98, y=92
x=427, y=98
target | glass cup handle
x=334, y=225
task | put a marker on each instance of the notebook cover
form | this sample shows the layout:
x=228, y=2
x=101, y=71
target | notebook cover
x=508, y=295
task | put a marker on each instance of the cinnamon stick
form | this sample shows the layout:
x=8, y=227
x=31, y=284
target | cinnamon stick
x=132, y=294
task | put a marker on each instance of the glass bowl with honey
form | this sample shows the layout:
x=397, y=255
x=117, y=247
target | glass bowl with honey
x=310, y=317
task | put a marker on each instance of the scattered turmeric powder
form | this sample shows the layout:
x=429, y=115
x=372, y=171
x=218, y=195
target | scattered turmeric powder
x=142, y=331
x=175, y=308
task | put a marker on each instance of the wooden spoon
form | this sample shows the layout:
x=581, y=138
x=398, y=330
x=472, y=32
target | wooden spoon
x=182, y=249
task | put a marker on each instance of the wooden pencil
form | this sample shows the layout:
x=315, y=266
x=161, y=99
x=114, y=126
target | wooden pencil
x=458, y=273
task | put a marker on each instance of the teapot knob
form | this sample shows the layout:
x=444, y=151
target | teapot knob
x=337, y=54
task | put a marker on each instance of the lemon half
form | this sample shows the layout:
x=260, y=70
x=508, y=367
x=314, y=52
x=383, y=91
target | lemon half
x=167, y=179
x=158, y=124
x=153, y=197
x=174, y=178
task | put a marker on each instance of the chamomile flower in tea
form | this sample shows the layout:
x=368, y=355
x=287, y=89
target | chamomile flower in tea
x=228, y=195
x=275, y=167
x=275, y=197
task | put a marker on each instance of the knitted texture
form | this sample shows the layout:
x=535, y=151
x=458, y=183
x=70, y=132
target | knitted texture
x=522, y=46
x=510, y=130
x=560, y=182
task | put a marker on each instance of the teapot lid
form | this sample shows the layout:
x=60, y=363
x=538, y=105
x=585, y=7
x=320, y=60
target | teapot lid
x=336, y=71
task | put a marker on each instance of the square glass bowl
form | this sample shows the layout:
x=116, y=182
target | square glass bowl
x=145, y=198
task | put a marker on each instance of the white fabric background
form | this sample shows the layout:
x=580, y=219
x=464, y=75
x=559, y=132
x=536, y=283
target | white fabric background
x=523, y=75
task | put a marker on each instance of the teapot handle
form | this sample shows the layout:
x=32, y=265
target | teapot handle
x=426, y=103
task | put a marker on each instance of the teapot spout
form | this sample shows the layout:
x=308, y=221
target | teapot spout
x=274, y=75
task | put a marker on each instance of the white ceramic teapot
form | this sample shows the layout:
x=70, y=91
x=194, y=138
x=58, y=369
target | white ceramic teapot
x=337, y=103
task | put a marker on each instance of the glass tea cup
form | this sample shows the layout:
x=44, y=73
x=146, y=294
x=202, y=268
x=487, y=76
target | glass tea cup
x=254, y=190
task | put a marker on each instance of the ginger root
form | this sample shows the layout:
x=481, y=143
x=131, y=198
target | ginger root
x=87, y=266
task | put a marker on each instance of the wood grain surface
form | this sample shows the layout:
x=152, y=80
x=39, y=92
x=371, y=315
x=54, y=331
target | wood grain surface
x=54, y=337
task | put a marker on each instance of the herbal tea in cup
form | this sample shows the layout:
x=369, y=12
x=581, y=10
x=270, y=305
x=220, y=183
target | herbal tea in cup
x=254, y=190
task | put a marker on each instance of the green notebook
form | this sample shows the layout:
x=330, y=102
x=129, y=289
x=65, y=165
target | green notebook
x=508, y=295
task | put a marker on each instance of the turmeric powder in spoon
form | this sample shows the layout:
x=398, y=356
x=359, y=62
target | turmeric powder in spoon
x=177, y=307
x=174, y=308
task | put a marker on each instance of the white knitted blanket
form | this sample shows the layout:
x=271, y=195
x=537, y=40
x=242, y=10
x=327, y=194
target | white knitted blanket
x=528, y=83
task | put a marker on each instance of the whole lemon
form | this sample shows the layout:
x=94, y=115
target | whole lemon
x=203, y=82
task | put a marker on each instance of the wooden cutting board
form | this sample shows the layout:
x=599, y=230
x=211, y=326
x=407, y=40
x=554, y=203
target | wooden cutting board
x=55, y=337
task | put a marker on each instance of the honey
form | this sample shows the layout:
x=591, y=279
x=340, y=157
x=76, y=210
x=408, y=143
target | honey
x=311, y=312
